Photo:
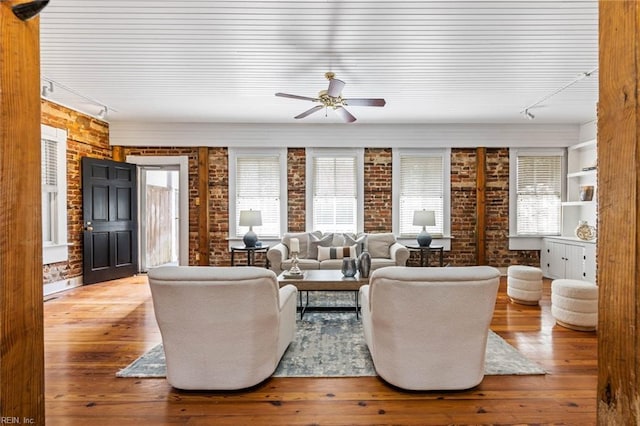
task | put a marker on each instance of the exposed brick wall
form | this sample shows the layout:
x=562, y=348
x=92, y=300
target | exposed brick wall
x=377, y=190
x=296, y=190
x=463, y=207
x=86, y=137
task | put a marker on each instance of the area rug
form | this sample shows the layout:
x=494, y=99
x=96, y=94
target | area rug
x=331, y=344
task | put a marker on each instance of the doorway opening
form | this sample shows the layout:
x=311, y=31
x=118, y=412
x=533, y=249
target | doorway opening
x=163, y=210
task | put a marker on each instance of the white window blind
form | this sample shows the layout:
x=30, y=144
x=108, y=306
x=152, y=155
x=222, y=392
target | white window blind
x=258, y=188
x=335, y=194
x=421, y=187
x=539, y=194
x=49, y=159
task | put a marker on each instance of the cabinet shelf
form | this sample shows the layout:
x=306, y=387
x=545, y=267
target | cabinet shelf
x=582, y=173
x=576, y=203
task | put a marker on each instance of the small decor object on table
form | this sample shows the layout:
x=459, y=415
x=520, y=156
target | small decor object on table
x=364, y=264
x=295, y=271
x=584, y=231
x=349, y=267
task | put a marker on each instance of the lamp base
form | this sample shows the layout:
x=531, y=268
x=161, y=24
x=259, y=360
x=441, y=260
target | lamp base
x=250, y=239
x=424, y=239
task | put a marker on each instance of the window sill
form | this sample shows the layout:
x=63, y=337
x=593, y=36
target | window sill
x=55, y=253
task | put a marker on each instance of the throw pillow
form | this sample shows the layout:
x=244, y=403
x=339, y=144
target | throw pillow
x=303, y=239
x=359, y=241
x=315, y=242
x=326, y=253
x=379, y=245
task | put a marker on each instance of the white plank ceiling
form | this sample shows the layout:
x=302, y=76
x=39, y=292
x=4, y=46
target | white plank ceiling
x=222, y=61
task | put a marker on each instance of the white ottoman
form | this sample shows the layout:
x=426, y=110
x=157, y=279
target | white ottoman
x=574, y=304
x=524, y=284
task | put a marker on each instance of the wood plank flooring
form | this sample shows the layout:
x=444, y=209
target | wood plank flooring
x=93, y=331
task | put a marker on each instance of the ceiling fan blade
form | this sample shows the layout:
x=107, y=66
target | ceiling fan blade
x=335, y=87
x=309, y=111
x=303, y=98
x=345, y=115
x=365, y=102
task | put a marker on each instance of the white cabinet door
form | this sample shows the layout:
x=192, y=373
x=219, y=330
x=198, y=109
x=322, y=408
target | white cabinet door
x=574, y=262
x=556, y=264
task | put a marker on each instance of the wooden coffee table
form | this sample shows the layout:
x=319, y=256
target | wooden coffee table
x=324, y=280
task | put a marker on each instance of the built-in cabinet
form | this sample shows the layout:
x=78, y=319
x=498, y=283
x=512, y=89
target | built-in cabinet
x=565, y=257
x=581, y=172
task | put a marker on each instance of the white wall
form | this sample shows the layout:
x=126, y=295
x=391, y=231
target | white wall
x=340, y=135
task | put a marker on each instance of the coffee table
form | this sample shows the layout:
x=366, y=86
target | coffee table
x=324, y=280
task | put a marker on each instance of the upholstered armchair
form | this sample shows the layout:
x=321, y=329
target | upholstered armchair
x=427, y=328
x=222, y=328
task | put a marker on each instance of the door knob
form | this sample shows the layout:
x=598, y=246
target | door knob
x=88, y=227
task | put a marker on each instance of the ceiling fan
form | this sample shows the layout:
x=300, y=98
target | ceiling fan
x=332, y=98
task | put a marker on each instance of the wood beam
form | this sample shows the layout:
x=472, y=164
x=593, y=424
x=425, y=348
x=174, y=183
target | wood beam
x=117, y=153
x=21, y=321
x=481, y=205
x=204, y=238
x=618, y=275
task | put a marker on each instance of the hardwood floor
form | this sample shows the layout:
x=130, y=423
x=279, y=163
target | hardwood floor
x=93, y=331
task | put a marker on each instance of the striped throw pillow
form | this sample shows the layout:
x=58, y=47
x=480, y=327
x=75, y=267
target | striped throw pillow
x=326, y=253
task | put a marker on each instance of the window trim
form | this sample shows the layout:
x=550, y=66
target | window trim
x=58, y=251
x=445, y=154
x=310, y=154
x=530, y=242
x=233, y=154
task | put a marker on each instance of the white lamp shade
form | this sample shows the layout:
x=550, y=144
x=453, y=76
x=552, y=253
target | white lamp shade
x=250, y=218
x=424, y=218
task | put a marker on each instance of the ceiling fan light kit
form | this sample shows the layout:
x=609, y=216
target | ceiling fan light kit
x=332, y=98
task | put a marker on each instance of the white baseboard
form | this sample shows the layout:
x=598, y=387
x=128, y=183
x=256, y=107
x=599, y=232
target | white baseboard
x=62, y=285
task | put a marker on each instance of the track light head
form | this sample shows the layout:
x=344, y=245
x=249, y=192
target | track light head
x=103, y=113
x=47, y=89
x=528, y=114
x=28, y=10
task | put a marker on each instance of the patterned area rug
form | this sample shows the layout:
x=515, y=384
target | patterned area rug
x=332, y=344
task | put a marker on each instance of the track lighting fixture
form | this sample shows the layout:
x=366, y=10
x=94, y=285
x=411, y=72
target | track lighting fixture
x=47, y=89
x=527, y=114
x=28, y=10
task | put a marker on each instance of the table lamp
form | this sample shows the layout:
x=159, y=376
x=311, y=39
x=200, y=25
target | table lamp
x=424, y=218
x=250, y=218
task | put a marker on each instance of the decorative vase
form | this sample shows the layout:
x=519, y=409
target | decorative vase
x=584, y=231
x=349, y=267
x=586, y=193
x=364, y=264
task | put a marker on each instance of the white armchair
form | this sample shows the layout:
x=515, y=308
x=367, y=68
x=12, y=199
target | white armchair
x=222, y=328
x=427, y=328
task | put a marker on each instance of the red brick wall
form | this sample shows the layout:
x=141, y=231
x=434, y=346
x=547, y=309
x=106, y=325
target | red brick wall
x=377, y=190
x=86, y=137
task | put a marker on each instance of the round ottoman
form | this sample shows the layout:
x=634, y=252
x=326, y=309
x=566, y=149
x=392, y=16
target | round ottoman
x=524, y=284
x=574, y=304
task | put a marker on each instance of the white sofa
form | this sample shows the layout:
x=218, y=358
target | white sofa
x=222, y=328
x=426, y=328
x=383, y=248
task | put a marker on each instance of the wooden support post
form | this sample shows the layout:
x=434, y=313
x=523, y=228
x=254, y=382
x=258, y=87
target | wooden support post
x=204, y=238
x=117, y=153
x=618, y=275
x=481, y=205
x=21, y=310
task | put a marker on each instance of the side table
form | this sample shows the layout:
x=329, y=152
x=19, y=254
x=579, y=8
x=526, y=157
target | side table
x=251, y=254
x=425, y=253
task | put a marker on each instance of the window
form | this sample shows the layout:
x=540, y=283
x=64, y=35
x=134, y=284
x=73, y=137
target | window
x=421, y=180
x=536, y=184
x=257, y=181
x=54, y=195
x=335, y=188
